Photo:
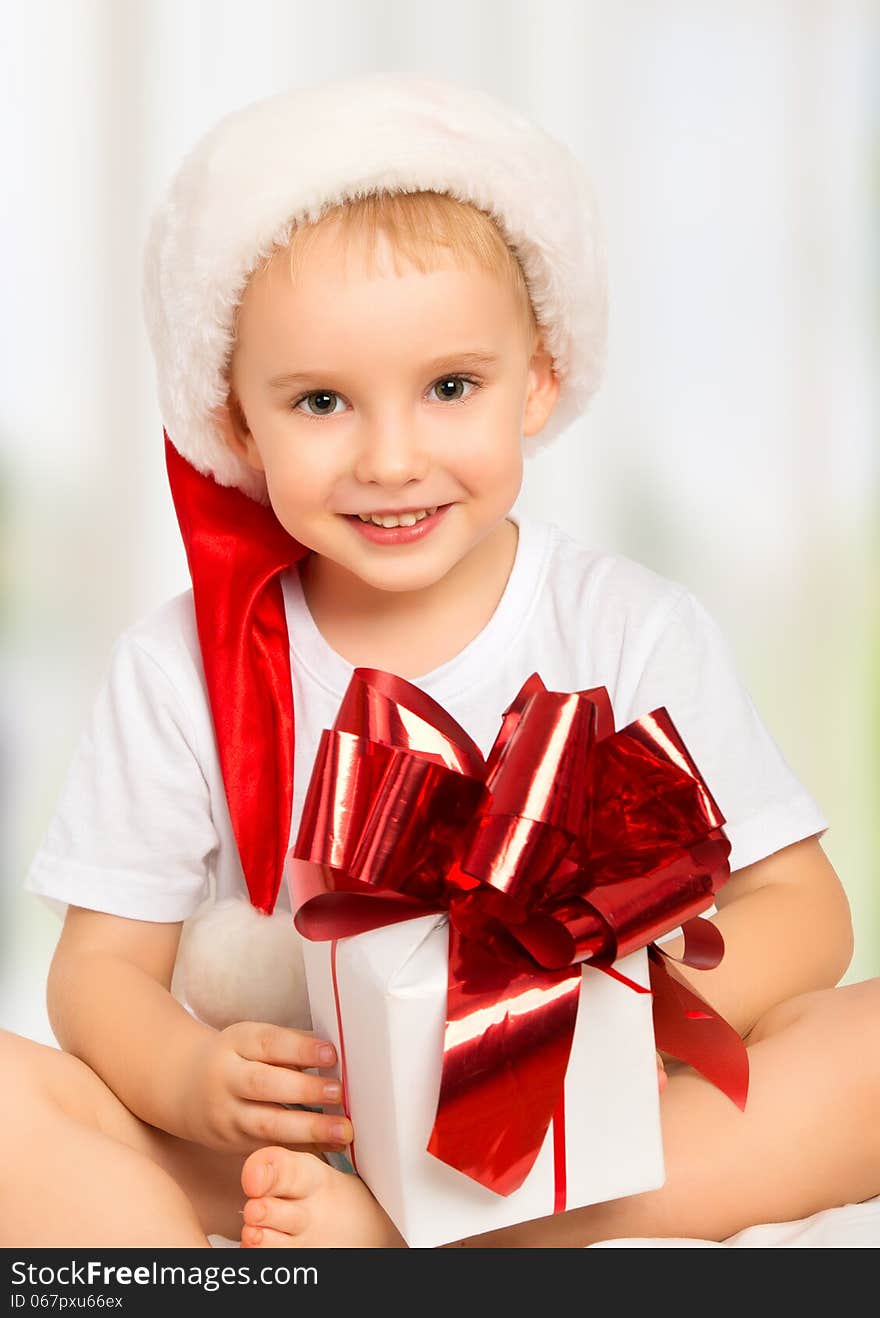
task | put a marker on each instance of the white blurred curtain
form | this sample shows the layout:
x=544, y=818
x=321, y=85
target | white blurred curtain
x=732, y=447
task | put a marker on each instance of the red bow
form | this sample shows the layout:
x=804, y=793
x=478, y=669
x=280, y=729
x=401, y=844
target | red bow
x=570, y=843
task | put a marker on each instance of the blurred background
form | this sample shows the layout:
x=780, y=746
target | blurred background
x=734, y=443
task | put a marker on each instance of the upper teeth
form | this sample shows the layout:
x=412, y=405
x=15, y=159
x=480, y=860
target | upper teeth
x=393, y=519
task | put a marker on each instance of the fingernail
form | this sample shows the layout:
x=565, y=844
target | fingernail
x=326, y=1054
x=268, y=1176
x=332, y=1093
x=339, y=1130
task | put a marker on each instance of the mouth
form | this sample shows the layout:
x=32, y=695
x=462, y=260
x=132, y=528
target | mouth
x=398, y=535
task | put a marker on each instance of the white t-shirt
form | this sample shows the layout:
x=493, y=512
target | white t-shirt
x=142, y=827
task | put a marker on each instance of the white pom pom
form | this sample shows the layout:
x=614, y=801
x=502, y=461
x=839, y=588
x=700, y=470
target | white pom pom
x=236, y=964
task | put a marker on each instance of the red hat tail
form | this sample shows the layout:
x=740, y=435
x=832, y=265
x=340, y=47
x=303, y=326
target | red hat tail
x=236, y=550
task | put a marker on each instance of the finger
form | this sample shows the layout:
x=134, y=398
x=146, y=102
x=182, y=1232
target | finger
x=262, y=1042
x=268, y=1123
x=262, y=1082
x=315, y=1148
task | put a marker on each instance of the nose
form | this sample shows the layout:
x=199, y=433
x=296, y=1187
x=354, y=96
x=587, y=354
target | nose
x=392, y=453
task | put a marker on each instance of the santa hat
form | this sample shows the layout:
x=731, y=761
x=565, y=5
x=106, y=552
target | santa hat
x=261, y=170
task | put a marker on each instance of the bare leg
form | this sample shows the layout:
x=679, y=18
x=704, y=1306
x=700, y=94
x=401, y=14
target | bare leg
x=68, y=1185
x=80, y=1169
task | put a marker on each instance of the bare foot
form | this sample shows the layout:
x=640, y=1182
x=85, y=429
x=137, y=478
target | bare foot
x=298, y=1200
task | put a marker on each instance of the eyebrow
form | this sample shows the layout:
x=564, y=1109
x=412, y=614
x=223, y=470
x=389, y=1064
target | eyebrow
x=468, y=358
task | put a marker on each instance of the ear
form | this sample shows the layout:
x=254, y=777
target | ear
x=543, y=390
x=232, y=425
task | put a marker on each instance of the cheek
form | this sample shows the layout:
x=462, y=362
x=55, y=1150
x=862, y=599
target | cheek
x=297, y=493
x=295, y=473
x=495, y=468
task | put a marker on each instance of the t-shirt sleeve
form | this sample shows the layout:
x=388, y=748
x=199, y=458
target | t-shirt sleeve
x=691, y=670
x=132, y=833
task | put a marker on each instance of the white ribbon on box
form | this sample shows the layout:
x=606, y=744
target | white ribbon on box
x=390, y=994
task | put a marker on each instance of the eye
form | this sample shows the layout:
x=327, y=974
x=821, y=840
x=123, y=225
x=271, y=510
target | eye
x=322, y=395
x=456, y=380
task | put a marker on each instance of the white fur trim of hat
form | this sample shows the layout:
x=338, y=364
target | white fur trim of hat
x=236, y=964
x=284, y=160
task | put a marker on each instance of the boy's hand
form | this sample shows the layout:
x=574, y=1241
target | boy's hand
x=240, y=1078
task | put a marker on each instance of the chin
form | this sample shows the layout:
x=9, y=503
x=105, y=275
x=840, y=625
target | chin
x=407, y=580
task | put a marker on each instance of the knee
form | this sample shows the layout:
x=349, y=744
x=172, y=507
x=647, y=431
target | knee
x=787, y=1013
x=847, y=1008
x=17, y=1054
x=32, y=1069
x=21, y=1083
x=845, y=1024
x=860, y=1026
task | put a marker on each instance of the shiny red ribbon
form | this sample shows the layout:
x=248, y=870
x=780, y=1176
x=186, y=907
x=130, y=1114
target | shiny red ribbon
x=570, y=843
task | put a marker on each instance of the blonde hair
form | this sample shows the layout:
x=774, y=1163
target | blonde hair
x=417, y=225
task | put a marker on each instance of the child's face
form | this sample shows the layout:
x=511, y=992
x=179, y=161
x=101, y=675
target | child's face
x=375, y=420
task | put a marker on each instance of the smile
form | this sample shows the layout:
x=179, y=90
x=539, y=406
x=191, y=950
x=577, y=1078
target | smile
x=399, y=535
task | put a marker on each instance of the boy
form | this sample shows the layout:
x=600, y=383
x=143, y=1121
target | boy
x=334, y=407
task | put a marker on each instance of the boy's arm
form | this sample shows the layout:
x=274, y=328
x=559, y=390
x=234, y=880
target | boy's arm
x=109, y=1003
x=233, y=1090
x=787, y=930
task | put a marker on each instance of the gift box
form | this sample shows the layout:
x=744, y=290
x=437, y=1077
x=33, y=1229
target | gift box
x=380, y=998
x=480, y=946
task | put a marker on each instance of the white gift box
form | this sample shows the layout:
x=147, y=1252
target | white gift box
x=390, y=986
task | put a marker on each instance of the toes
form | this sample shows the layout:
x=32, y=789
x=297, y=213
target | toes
x=282, y=1172
x=258, y=1171
x=253, y=1237
x=278, y=1183
x=289, y=1216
